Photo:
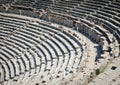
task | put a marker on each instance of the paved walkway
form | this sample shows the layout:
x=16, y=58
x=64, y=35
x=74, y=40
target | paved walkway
x=111, y=75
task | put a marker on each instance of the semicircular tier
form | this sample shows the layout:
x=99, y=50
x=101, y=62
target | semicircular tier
x=44, y=42
x=28, y=49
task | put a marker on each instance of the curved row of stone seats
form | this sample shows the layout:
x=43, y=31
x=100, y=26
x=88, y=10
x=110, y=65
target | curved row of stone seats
x=101, y=32
x=102, y=3
x=105, y=16
x=110, y=26
x=86, y=8
x=9, y=69
x=17, y=22
x=16, y=71
x=54, y=20
x=116, y=4
x=27, y=10
x=107, y=43
x=78, y=14
x=62, y=68
x=5, y=1
x=27, y=34
x=97, y=18
x=26, y=3
x=9, y=26
x=113, y=9
x=4, y=56
x=102, y=13
x=101, y=29
x=38, y=4
x=49, y=37
x=60, y=7
x=82, y=10
x=96, y=39
x=97, y=6
x=85, y=3
x=89, y=6
x=8, y=51
x=66, y=5
x=111, y=30
x=69, y=3
x=41, y=4
x=108, y=11
x=65, y=33
x=110, y=16
x=14, y=18
x=4, y=33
